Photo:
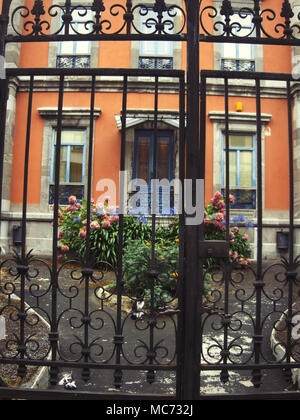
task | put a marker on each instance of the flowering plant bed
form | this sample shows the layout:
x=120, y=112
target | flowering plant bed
x=137, y=234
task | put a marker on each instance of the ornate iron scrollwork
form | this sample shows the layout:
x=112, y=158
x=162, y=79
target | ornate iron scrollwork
x=215, y=23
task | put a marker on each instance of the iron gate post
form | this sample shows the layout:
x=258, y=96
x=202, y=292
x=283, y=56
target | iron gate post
x=4, y=19
x=190, y=379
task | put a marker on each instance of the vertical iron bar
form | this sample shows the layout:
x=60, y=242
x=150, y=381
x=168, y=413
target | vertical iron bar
x=291, y=173
x=4, y=91
x=119, y=339
x=180, y=331
x=227, y=157
x=291, y=268
x=154, y=201
x=227, y=273
x=224, y=372
x=191, y=349
x=26, y=168
x=88, y=263
x=23, y=262
x=53, y=335
x=257, y=339
x=153, y=274
x=202, y=176
x=68, y=19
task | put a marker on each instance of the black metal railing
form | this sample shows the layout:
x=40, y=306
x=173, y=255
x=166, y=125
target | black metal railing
x=217, y=24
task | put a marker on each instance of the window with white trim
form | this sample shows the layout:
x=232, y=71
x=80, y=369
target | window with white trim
x=242, y=169
x=76, y=54
x=239, y=56
x=72, y=164
x=155, y=54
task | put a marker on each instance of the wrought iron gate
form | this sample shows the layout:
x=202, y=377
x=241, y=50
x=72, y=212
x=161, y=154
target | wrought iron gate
x=173, y=350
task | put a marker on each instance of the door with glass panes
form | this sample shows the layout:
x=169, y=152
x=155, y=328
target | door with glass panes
x=144, y=168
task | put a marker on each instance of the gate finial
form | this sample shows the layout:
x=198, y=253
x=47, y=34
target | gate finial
x=287, y=13
x=38, y=8
x=160, y=6
x=227, y=11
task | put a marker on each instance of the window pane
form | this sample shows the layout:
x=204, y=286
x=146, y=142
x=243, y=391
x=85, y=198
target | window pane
x=229, y=50
x=163, y=151
x=162, y=48
x=67, y=47
x=143, y=158
x=245, y=51
x=232, y=170
x=147, y=48
x=76, y=160
x=240, y=141
x=246, y=169
x=72, y=136
x=63, y=164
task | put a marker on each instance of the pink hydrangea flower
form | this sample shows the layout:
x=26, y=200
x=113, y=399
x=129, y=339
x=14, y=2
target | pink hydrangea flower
x=218, y=224
x=71, y=208
x=72, y=199
x=64, y=248
x=231, y=198
x=82, y=234
x=245, y=237
x=220, y=217
x=95, y=225
x=105, y=224
x=221, y=205
x=236, y=229
x=113, y=219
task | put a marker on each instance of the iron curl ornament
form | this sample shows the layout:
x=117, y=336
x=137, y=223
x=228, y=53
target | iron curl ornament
x=160, y=19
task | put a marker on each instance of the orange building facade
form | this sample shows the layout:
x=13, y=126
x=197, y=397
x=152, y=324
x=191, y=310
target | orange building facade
x=140, y=115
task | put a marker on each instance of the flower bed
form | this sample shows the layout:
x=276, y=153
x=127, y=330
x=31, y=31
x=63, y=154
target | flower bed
x=137, y=234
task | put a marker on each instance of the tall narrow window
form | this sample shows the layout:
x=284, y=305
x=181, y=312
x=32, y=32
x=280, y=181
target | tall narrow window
x=144, y=164
x=73, y=54
x=242, y=169
x=72, y=158
x=239, y=57
x=155, y=54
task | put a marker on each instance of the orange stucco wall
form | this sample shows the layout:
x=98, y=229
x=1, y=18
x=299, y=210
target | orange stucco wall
x=107, y=136
x=276, y=148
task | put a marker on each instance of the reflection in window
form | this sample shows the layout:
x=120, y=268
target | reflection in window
x=239, y=57
x=72, y=158
x=76, y=54
x=242, y=169
x=155, y=54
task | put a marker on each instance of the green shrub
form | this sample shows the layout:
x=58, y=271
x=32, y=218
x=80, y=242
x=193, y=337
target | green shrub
x=137, y=261
x=137, y=264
